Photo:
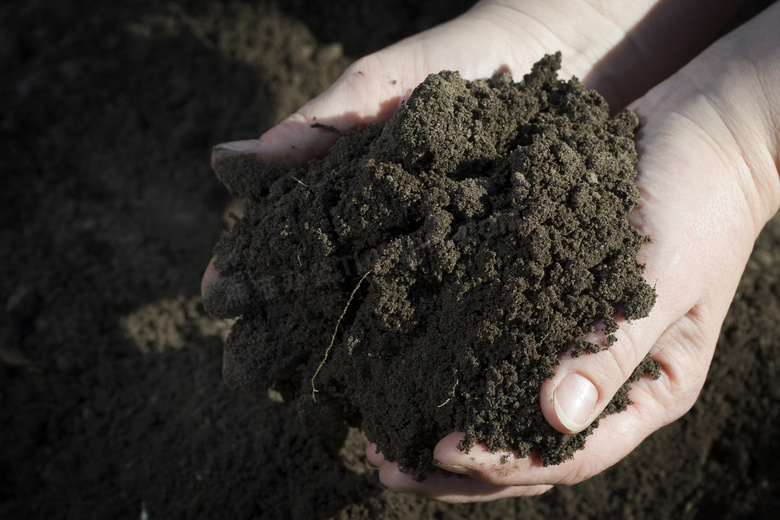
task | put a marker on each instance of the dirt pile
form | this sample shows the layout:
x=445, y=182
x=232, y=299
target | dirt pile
x=424, y=276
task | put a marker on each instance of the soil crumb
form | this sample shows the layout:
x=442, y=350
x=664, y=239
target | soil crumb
x=425, y=275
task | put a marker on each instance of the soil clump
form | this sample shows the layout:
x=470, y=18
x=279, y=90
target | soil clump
x=424, y=276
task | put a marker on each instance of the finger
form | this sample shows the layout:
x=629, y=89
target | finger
x=227, y=296
x=372, y=89
x=584, y=385
x=442, y=486
x=374, y=457
x=674, y=210
x=308, y=133
x=367, y=92
x=683, y=351
x=451, y=488
x=616, y=436
x=210, y=277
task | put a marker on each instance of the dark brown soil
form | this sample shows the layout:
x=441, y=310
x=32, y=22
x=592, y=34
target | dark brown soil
x=112, y=402
x=425, y=275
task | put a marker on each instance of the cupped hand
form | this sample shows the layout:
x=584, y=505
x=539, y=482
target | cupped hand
x=701, y=201
x=707, y=174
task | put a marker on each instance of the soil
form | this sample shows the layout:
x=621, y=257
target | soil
x=113, y=402
x=474, y=238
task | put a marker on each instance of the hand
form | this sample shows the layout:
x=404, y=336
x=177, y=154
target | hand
x=495, y=35
x=603, y=48
x=709, y=182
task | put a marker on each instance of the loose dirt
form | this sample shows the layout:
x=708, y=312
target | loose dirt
x=474, y=237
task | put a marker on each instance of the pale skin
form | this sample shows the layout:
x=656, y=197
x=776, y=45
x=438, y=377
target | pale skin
x=707, y=174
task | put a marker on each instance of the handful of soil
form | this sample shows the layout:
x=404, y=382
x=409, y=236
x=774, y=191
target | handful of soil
x=425, y=275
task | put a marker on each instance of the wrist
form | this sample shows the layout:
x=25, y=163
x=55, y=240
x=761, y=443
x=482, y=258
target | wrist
x=743, y=88
x=728, y=98
x=758, y=43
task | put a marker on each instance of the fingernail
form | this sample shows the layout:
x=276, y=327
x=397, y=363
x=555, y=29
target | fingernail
x=575, y=398
x=453, y=468
x=249, y=145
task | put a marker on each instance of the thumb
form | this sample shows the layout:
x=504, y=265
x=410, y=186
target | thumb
x=584, y=385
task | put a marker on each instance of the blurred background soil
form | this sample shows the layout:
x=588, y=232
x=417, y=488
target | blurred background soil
x=112, y=403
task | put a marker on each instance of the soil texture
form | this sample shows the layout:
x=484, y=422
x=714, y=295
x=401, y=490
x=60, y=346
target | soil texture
x=112, y=401
x=425, y=275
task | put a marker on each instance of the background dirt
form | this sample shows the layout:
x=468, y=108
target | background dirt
x=112, y=403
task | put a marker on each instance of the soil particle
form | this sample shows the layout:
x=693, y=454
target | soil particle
x=427, y=273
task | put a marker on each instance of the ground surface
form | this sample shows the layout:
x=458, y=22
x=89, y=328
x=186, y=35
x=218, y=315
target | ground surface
x=112, y=400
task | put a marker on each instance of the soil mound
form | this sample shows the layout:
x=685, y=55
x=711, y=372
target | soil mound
x=424, y=276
